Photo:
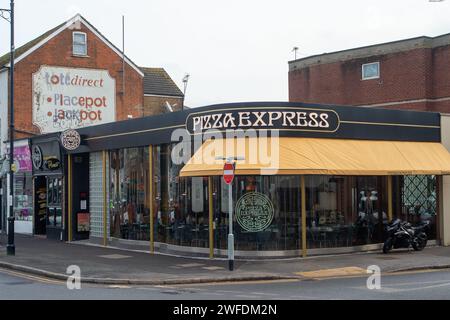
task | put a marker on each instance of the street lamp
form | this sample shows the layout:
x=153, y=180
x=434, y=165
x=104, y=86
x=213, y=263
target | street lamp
x=185, y=82
x=8, y=15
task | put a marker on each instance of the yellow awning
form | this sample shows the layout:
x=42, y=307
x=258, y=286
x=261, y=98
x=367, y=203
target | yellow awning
x=312, y=156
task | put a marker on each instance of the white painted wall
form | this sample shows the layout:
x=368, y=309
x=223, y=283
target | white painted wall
x=445, y=219
x=3, y=110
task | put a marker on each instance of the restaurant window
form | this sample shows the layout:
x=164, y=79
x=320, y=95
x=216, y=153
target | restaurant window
x=416, y=200
x=23, y=197
x=129, y=194
x=79, y=43
x=266, y=213
x=371, y=71
x=345, y=211
x=181, y=204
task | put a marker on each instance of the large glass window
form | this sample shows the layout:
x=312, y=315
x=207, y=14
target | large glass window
x=345, y=211
x=129, y=194
x=23, y=197
x=266, y=213
x=181, y=204
x=415, y=200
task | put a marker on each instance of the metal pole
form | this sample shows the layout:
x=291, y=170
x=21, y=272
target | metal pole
x=105, y=219
x=303, y=200
x=211, y=217
x=230, y=223
x=11, y=249
x=151, y=200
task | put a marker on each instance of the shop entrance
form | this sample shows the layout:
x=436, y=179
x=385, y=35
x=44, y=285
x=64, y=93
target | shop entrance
x=54, y=218
x=80, y=198
x=40, y=205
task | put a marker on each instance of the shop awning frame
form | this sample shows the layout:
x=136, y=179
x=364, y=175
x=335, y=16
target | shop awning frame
x=315, y=156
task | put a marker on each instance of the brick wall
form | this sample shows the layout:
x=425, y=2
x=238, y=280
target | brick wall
x=58, y=52
x=419, y=76
x=156, y=105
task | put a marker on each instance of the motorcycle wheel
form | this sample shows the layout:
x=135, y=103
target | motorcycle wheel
x=387, y=246
x=421, y=242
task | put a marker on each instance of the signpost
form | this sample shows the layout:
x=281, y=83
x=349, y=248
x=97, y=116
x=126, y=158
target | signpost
x=228, y=177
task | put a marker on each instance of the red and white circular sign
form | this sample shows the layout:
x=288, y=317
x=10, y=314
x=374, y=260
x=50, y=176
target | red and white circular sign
x=228, y=173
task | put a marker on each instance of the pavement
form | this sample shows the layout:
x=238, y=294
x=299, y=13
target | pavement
x=100, y=265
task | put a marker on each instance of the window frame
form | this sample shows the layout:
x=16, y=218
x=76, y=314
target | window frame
x=75, y=33
x=368, y=64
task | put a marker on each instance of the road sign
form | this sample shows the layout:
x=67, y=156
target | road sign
x=228, y=173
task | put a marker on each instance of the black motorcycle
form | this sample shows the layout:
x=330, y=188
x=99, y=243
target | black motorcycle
x=403, y=235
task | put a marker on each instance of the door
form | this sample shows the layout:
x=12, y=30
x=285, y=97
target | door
x=54, y=219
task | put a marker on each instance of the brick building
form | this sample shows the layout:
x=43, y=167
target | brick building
x=407, y=74
x=71, y=77
x=75, y=46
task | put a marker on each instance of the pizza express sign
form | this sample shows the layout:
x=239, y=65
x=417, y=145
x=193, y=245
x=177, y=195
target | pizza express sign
x=289, y=119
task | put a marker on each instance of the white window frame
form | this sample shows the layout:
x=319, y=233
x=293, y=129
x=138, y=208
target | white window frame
x=85, y=43
x=368, y=64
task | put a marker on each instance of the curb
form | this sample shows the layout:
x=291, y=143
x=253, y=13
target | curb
x=106, y=281
x=412, y=269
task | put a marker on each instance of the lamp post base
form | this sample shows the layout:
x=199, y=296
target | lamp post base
x=11, y=248
x=231, y=265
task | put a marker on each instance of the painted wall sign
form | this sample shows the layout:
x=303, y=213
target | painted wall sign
x=291, y=119
x=67, y=98
x=254, y=212
x=70, y=140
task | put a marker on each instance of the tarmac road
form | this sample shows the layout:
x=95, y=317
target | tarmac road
x=425, y=285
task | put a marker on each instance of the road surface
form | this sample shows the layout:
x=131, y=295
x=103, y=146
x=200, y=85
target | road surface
x=414, y=285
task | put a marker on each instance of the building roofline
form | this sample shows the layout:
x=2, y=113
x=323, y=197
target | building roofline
x=57, y=30
x=369, y=50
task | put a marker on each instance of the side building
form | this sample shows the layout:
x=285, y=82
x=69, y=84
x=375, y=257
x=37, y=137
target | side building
x=409, y=74
x=71, y=77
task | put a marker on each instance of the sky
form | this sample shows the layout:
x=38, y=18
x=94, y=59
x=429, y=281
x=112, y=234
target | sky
x=234, y=50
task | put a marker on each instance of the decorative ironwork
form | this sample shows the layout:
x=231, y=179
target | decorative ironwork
x=419, y=194
x=5, y=14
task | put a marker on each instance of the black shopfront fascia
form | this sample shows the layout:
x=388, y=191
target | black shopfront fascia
x=50, y=187
x=51, y=177
x=293, y=120
x=343, y=123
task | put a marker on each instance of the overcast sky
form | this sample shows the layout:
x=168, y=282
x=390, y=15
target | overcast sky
x=234, y=50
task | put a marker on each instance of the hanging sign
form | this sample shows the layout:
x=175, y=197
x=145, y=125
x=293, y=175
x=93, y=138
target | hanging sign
x=37, y=157
x=70, y=140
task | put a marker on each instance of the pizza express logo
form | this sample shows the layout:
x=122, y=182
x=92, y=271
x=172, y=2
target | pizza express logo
x=299, y=119
x=70, y=140
x=254, y=212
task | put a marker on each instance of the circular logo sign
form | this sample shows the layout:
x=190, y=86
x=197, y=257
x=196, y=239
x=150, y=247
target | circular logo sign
x=254, y=212
x=70, y=140
x=37, y=158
